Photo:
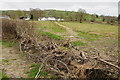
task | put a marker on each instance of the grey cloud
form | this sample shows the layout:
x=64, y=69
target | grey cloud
x=60, y=1
x=102, y=8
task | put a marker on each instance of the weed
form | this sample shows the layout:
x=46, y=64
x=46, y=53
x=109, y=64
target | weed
x=34, y=71
x=5, y=60
x=3, y=75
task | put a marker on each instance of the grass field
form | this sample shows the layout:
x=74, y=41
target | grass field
x=86, y=32
x=49, y=26
x=102, y=29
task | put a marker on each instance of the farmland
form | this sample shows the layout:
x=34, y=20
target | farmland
x=53, y=40
x=100, y=36
x=87, y=30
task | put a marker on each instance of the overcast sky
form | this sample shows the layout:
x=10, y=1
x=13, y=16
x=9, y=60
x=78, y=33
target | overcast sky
x=101, y=7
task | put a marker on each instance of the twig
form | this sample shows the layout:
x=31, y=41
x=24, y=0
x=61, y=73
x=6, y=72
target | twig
x=65, y=66
x=111, y=64
x=83, y=55
x=37, y=75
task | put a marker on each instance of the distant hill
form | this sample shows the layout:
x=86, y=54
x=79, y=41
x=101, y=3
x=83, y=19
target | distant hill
x=67, y=15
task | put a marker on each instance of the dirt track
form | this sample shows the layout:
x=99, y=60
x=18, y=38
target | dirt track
x=69, y=30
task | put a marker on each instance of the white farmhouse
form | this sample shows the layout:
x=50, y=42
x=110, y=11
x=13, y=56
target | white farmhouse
x=27, y=18
x=60, y=20
x=42, y=19
x=51, y=18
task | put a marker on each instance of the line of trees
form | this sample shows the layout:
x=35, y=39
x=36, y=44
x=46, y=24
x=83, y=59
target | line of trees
x=79, y=16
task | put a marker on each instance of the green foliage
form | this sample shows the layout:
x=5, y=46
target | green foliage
x=5, y=60
x=80, y=16
x=3, y=75
x=7, y=43
x=77, y=43
x=52, y=35
x=34, y=71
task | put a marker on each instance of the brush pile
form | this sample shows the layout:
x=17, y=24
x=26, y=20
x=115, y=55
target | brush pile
x=70, y=63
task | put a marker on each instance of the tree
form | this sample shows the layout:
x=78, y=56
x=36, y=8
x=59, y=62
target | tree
x=80, y=16
x=81, y=10
x=97, y=16
x=103, y=19
x=119, y=17
x=36, y=13
x=93, y=18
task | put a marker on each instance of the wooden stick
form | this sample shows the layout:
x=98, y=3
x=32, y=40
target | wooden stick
x=102, y=60
x=37, y=75
x=83, y=55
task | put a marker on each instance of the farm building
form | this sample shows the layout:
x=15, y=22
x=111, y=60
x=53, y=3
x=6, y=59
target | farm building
x=25, y=18
x=49, y=19
x=42, y=19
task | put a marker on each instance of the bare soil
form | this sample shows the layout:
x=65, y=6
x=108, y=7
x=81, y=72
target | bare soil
x=17, y=65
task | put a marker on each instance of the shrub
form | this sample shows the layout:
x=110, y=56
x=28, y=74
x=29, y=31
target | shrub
x=8, y=28
x=15, y=29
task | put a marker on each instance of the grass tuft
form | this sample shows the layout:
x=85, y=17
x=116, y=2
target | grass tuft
x=77, y=43
x=5, y=60
x=34, y=71
x=88, y=36
x=3, y=75
x=7, y=43
x=52, y=35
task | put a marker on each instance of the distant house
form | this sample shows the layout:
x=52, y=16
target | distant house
x=25, y=18
x=62, y=20
x=42, y=19
x=49, y=19
x=58, y=19
x=4, y=16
